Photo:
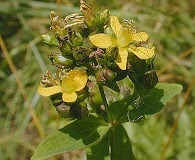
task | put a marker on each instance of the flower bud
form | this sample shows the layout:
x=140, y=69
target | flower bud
x=95, y=99
x=78, y=40
x=61, y=62
x=75, y=38
x=81, y=53
x=65, y=45
x=104, y=16
x=51, y=40
x=104, y=76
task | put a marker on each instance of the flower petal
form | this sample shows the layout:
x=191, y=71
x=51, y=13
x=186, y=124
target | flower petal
x=142, y=52
x=122, y=59
x=80, y=80
x=115, y=25
x=69, y=97
x=140, y=37
x=101, y=40
x=67, y=85
x=48, y=91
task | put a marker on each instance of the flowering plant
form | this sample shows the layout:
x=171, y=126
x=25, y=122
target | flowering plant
x=106, y=77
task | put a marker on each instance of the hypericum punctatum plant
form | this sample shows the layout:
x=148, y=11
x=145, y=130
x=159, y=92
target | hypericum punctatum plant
x=106, y=77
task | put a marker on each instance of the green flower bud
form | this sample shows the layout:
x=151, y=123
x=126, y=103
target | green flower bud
x=104, y=76
x=81, y=53
x=104, y=16
x=75, y=38
x=95, y=99
x=78, y=40
x=51, y=40
x=65, y=45
x=61, y=62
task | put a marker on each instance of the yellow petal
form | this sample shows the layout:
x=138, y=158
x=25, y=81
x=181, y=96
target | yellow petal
x=101, y=40
x=69, y=97
x=140, y=37
x=48, y=91
x=122, y=59
x=67, y=85
x=115, y=25
x=143, y=53
x=80, y=80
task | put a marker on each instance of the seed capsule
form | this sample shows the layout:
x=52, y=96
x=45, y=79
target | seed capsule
x=64, y=110
x=79, y=110
x=104, y=76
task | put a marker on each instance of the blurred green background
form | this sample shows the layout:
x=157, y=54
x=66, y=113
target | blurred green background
x=26, y=118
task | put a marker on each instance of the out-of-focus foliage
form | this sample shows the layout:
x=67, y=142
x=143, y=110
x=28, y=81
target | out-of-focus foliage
x=25, y=118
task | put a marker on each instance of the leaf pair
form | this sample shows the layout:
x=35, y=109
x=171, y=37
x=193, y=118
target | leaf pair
x=96, y=134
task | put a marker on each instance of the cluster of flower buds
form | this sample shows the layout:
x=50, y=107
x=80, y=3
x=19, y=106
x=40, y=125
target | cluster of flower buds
x=94, y=49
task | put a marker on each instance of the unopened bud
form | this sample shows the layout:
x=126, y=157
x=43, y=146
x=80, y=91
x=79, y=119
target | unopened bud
x=75, y=38
x=61, y=62
x=104, y=16
x=78, y=40
x=51, y=40
x=81, y=53
x=65, y=45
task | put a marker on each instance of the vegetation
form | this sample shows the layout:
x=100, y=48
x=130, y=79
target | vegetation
x=26, y=118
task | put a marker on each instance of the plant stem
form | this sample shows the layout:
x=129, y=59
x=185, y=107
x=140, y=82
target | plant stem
x=113, y=145
x=112, y=133
x=103, y=96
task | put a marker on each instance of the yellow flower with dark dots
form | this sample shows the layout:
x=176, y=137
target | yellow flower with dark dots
x=124, y=37
x=75, y=80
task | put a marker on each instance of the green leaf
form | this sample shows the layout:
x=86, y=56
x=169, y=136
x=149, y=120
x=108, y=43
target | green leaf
x=76, y=135
x=113, y=85
x=119, y=108
x=99, y=151
x=153, y=101
x=121, y=147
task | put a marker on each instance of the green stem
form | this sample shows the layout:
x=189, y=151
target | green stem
x=112, y=133
x=103, y=96
x=113, y=144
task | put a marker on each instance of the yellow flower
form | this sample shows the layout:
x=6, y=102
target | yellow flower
x=74, y=80
x=123, y=37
